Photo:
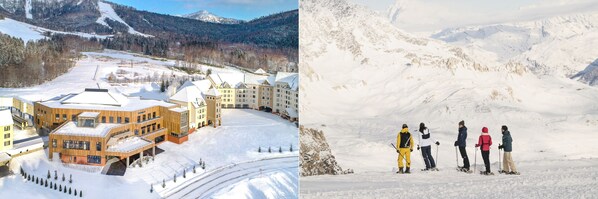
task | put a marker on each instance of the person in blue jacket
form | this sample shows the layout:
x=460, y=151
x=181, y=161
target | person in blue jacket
x=507, y=145
x=461, y=144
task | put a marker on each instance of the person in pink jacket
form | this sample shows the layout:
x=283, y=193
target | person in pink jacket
x=484, y=142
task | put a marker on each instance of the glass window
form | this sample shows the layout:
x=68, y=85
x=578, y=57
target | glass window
x=126, y=120
x=119, y=120
x=64, y=117
x=103, y=119
x=54, y=143
x=99, y=146
x=111, y=119
x=57, y=116
x=94, y=159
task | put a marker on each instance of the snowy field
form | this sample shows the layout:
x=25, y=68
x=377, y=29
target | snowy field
x=93, y=69
x=237, y=141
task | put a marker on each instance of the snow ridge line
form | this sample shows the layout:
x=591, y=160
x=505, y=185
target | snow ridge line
x=169, y=193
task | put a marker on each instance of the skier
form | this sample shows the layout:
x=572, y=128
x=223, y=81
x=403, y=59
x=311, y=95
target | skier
x=425, y=142
x=484, y=142
x=461, y=143
x=405, y=144
x=508, y=164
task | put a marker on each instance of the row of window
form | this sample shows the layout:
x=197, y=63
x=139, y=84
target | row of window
x=7, y=128
x=76, y=144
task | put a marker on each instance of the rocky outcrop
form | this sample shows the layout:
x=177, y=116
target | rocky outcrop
x=316, y=157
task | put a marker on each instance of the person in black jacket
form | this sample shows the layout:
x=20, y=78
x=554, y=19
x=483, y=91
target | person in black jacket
x=461, y=144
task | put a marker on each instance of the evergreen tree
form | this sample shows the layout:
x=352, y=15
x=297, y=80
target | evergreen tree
x=60, y=188
x=291, y=148
x=55, y=175
x=49, y=176
x=71, y=178
x=46, y=183
x=54, y=186
x=80, y=193
x=163, y=183
x=63, y=178
x=75, y=192
x=162, y=86
x=259, y=149
x=152, y=188
x=174, y=178
x=193, y=168
x=184, y=173
x=269, y=150
x=280, y=149
x=69, y=191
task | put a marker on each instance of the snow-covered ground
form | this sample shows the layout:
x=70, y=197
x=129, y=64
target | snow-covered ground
x=237, y=141
x=28, y=32
x=107, y=12
x=362, y=78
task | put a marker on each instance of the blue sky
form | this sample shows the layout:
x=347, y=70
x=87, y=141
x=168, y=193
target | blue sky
x=238, y=9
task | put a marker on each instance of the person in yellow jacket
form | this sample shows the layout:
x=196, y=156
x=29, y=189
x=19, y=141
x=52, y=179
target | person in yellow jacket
x=405, y=144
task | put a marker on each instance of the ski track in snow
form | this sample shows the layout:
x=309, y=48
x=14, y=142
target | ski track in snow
x=539, y=179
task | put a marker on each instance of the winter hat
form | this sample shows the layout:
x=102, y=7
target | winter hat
x=404, y=125
x=504, y=128
x=462, y=123
x=484, y=130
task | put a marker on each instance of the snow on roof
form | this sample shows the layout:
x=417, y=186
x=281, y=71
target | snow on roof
x=213, y=92
x=292, y=112
x=178, y=109
x=188, y=94
x=4, y=157
x=233, y=79
x=98, y=97
x=89, y=114
x=128, y=145
x=72, y=101
x=260, y=71
x=71, y=128
x=6, y=118
x=292, y=79
x=203, y=85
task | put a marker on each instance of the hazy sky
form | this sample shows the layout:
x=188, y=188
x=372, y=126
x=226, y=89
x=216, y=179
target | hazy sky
x=430, y=15
x=238, y=9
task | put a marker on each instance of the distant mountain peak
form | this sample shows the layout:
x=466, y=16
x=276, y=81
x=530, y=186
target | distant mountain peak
x=204, y=15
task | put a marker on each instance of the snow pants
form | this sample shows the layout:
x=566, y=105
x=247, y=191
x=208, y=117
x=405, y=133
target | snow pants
x=428, y=159
x=486, y=157
x=508, y=164
x=464, y=156
x=404, y=153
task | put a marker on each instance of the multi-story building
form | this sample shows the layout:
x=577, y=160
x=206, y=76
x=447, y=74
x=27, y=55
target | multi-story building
x=21, y=108
x=202, y=101
x=6, y=130
x=278, y=93
x=97, y=125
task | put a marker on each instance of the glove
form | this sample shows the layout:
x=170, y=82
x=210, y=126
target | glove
x=397, y=151
x=410, y=150
x=437, y=143
x=500, y=147
x=418, y=147
x=477, y=145
x=456, y=143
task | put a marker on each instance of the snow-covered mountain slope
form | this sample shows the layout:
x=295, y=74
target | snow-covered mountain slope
x=561, y=46
x=204, y=15
x=361, y=78
x=28, y=32
x=107, y=12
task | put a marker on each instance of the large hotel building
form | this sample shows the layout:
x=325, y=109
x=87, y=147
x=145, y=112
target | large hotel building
x=98, y=125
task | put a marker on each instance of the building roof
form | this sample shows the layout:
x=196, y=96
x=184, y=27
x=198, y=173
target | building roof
x=128, y=145
x=178, y=110
x=292, y=79
x=203, y=85
x=292, y=112
x=97, y=97
x=260, y=71
x=89, y=114
x=188, y=93
x=213, y=92
x=4, y=157
x=111, y=101
x=71, y=128
x=6, y=118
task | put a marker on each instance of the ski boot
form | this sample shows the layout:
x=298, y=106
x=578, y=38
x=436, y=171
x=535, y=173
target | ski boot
x=426, y=169
x=503, y=172
x=407, y=170
x=400, y=171
x=434, y=169
x=513, y=173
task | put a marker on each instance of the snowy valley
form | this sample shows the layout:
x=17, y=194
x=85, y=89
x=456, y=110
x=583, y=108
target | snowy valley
x=362, y=78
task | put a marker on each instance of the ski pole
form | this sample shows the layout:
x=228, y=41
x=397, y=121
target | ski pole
x=436, y=156
x=456, y=157
x=499, y=170
x=475, y=158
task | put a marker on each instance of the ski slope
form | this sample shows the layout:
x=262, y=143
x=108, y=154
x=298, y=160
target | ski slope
x=28, y=32
x=362, y=78
x=542, y=179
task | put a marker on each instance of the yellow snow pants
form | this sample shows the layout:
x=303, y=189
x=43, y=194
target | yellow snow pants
x=404, y=153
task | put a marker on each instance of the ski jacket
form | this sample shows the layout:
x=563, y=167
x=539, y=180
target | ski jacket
x=462, y=136
x=425, y=138
x=507, y=141
x=404, y=139
x=485, y=141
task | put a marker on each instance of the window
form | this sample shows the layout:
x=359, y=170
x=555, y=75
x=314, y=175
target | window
x=7, y=135
x=103, y=119
x=143, y=117
x=57, y=116
x=126, y=120
x=64, y=117
x=154, y=115
x=7, y=128
x=158, y=126
x=54, y=143
x=99, y=146
x=138, y=119
x=119, y=120
x=111, y=119
x=75, y=144
x=73, y=118
x=136, y=131
x=94, y=159
x=6, y=143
